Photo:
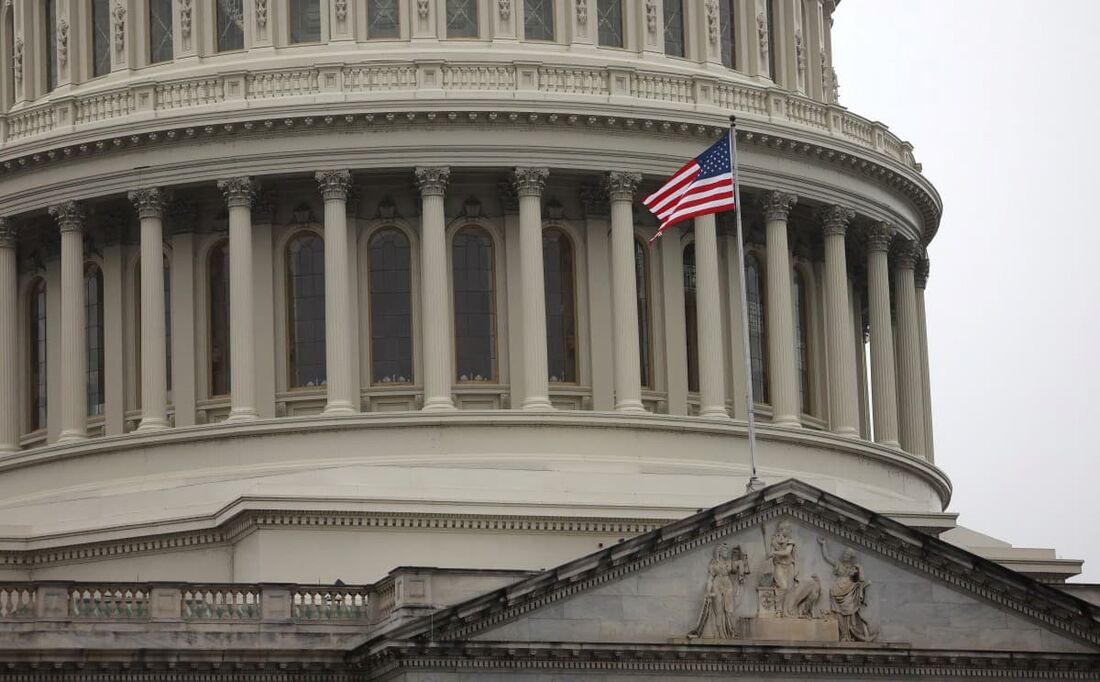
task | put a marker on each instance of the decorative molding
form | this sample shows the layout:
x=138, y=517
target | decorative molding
x=62, y=42
x=149, y=202
x=239, y=191
x=651, y=16
x=800, y=51
x=341, y=10
x=582, y=12
x=509, y=198
x=335, y=185
x=17, y=60
x=9, y=234
x=713, y=22
x=261, y=13
x=119, y=15
x=432, y=180
x=777, y=205
x=185, y=18
x=878, y=236
x=69, y=216
x=504, y=7
x=922, y=270
x=595, y=201
x=530, y=182
x=622, y=186
x=835, y=219
x=762, y=34
x=422, y=8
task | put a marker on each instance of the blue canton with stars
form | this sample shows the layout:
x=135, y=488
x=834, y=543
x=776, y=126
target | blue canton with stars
x=715, y=160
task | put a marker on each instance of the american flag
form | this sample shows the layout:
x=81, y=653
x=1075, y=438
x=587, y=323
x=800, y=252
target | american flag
x=703, y=186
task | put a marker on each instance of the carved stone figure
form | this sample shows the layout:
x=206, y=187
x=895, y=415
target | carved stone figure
x=848, y=596
x=712, y=21
x=725, y=586
x=62, y=41
x=341, y=10
x=261, y=13
x=185, y=18
x=651, y=16
x=422, y=8
x=781, y=552
x=120, y=26
x=17, y=60
x=802, y=599
x=582, y=12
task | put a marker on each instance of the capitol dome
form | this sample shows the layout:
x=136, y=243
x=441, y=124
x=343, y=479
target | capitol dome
x=308, y=290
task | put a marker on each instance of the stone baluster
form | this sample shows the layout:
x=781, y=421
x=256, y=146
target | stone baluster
x=154, y=391
x=240, y=193
x=432, y=182
x=628, y=380
x=74, y=359
x=712, y=371
x=9, y=340
x=529, y=183
x=921, y=281
x=342, y=385
x=843, y=394
x=883, y=380
x=783, y=367
x=910, y=374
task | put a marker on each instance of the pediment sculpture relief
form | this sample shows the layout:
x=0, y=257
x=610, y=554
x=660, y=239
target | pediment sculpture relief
x=724, y=591
x=848, y=596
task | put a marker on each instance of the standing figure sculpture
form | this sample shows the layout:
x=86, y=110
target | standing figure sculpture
x=848, y=596
x=781, y=552
x=725, y=585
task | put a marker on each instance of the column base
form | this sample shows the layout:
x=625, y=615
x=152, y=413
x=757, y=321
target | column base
x=239, y=415
x=338, y=407
x=6, y=449
x=539, y=404
x=889, y=444
x=152, y=424
x=714, y=413
x=438, y=405
x=847, y=432
x=631, y=407
x=72, y=437
x=788, y=422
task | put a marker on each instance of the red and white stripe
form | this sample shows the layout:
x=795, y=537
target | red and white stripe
x=685, y=196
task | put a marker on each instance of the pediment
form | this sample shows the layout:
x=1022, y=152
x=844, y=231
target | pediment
x=789, y=564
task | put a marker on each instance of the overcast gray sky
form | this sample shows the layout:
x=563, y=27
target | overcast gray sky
x=999, y=97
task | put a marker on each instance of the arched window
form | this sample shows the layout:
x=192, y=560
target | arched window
x=691, y=318
x=101, y=37
x=390, y=277
x=475, y=305
x=561, y=306
x=36, y=346
x=305, y=314
x=218, y=290
x=93, y=337
x=674, y=27
x=802, y=337
x=772, y=45
x=641, y=283
x=757, y=336
x=727, y=33
x=50, y=19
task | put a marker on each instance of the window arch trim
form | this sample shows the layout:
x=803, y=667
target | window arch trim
x=367, y=233
x=289, y=340
x=571, y=239
x=500, y=298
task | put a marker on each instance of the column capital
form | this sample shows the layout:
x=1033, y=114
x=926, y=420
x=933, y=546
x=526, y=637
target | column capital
x=922, y=270
x=835, y=219
x=777, y=205
x=8, y=234
x=907, y=253
x=530, y=182
x=239, y=191
x=879, y=236
x=621, y=186
x=69, y=216
x=335, y=185
x=150, y=202
x=432, y=180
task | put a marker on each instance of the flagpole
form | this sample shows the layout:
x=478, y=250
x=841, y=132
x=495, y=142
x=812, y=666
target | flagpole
x=754, y=482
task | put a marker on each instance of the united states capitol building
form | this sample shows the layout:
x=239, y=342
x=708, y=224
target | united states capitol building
x=332, y=347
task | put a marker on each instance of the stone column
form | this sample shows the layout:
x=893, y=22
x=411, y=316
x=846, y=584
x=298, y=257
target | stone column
x=74, y=360
x=9, y=340
x=529, y=183
x=921, y=281
x=783, y=366
x=884, y=405
x=433, y=281
x=628, y=379
x=342, y=385
x=154, y=386
x=843, y=393
x=239, y=193
x=712, y=371
x=910, y=374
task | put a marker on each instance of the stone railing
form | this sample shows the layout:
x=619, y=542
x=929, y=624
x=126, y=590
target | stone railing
x=310, y=85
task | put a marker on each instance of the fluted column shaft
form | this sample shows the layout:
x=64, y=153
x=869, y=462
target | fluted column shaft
x=9, y=341
x=154, y=383
x=529, y=183
x=883, y=381
x=74, y=360
x=783, y=363
x=240, y=193
x=433, y=276
x=628, y=379
x=843, y=393
x=910, y=376
x=922, y=282
x=341, y=383
x=712, y=371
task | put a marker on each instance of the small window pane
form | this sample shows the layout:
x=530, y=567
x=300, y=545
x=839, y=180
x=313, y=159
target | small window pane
x=382, y=21
x=475, y=306
x=753, y=292
x=674, y=27
x=101, y=37
x=219, y=319
x=641, y=280
x=538, y=19
x=390, y=308
x=729, y=40
x=609, y=19
x=691, y=318
x=51, y=44
x=37, y=347
x=305, y=261
x=230, y=25
x=93, y=338
x=160, y=31
x=305, y=21
x=561, y=318
x=462, y=19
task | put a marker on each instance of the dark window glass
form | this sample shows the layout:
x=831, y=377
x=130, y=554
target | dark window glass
x=51, y=44
x=609, y=20
x=390, y=308
x=382, y=21
x=218, y=273
x=772, y=47
x=641, y=281
x=561, y=316
x=305, y=276
x=305, y=21
x=726, y=31
x=93, y=337
x=230, y=25
x=101, y=37
x=757, y=338
x=36, y=323
x=160, y=31
x=475, y=305
x=462, y=19
x=802, y=338
x=691, y=318
x=538, y=19
x=674, y=27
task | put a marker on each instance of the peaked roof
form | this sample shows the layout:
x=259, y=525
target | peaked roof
x=924, y=553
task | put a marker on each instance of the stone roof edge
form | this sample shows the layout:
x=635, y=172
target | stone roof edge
x=936, y=558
